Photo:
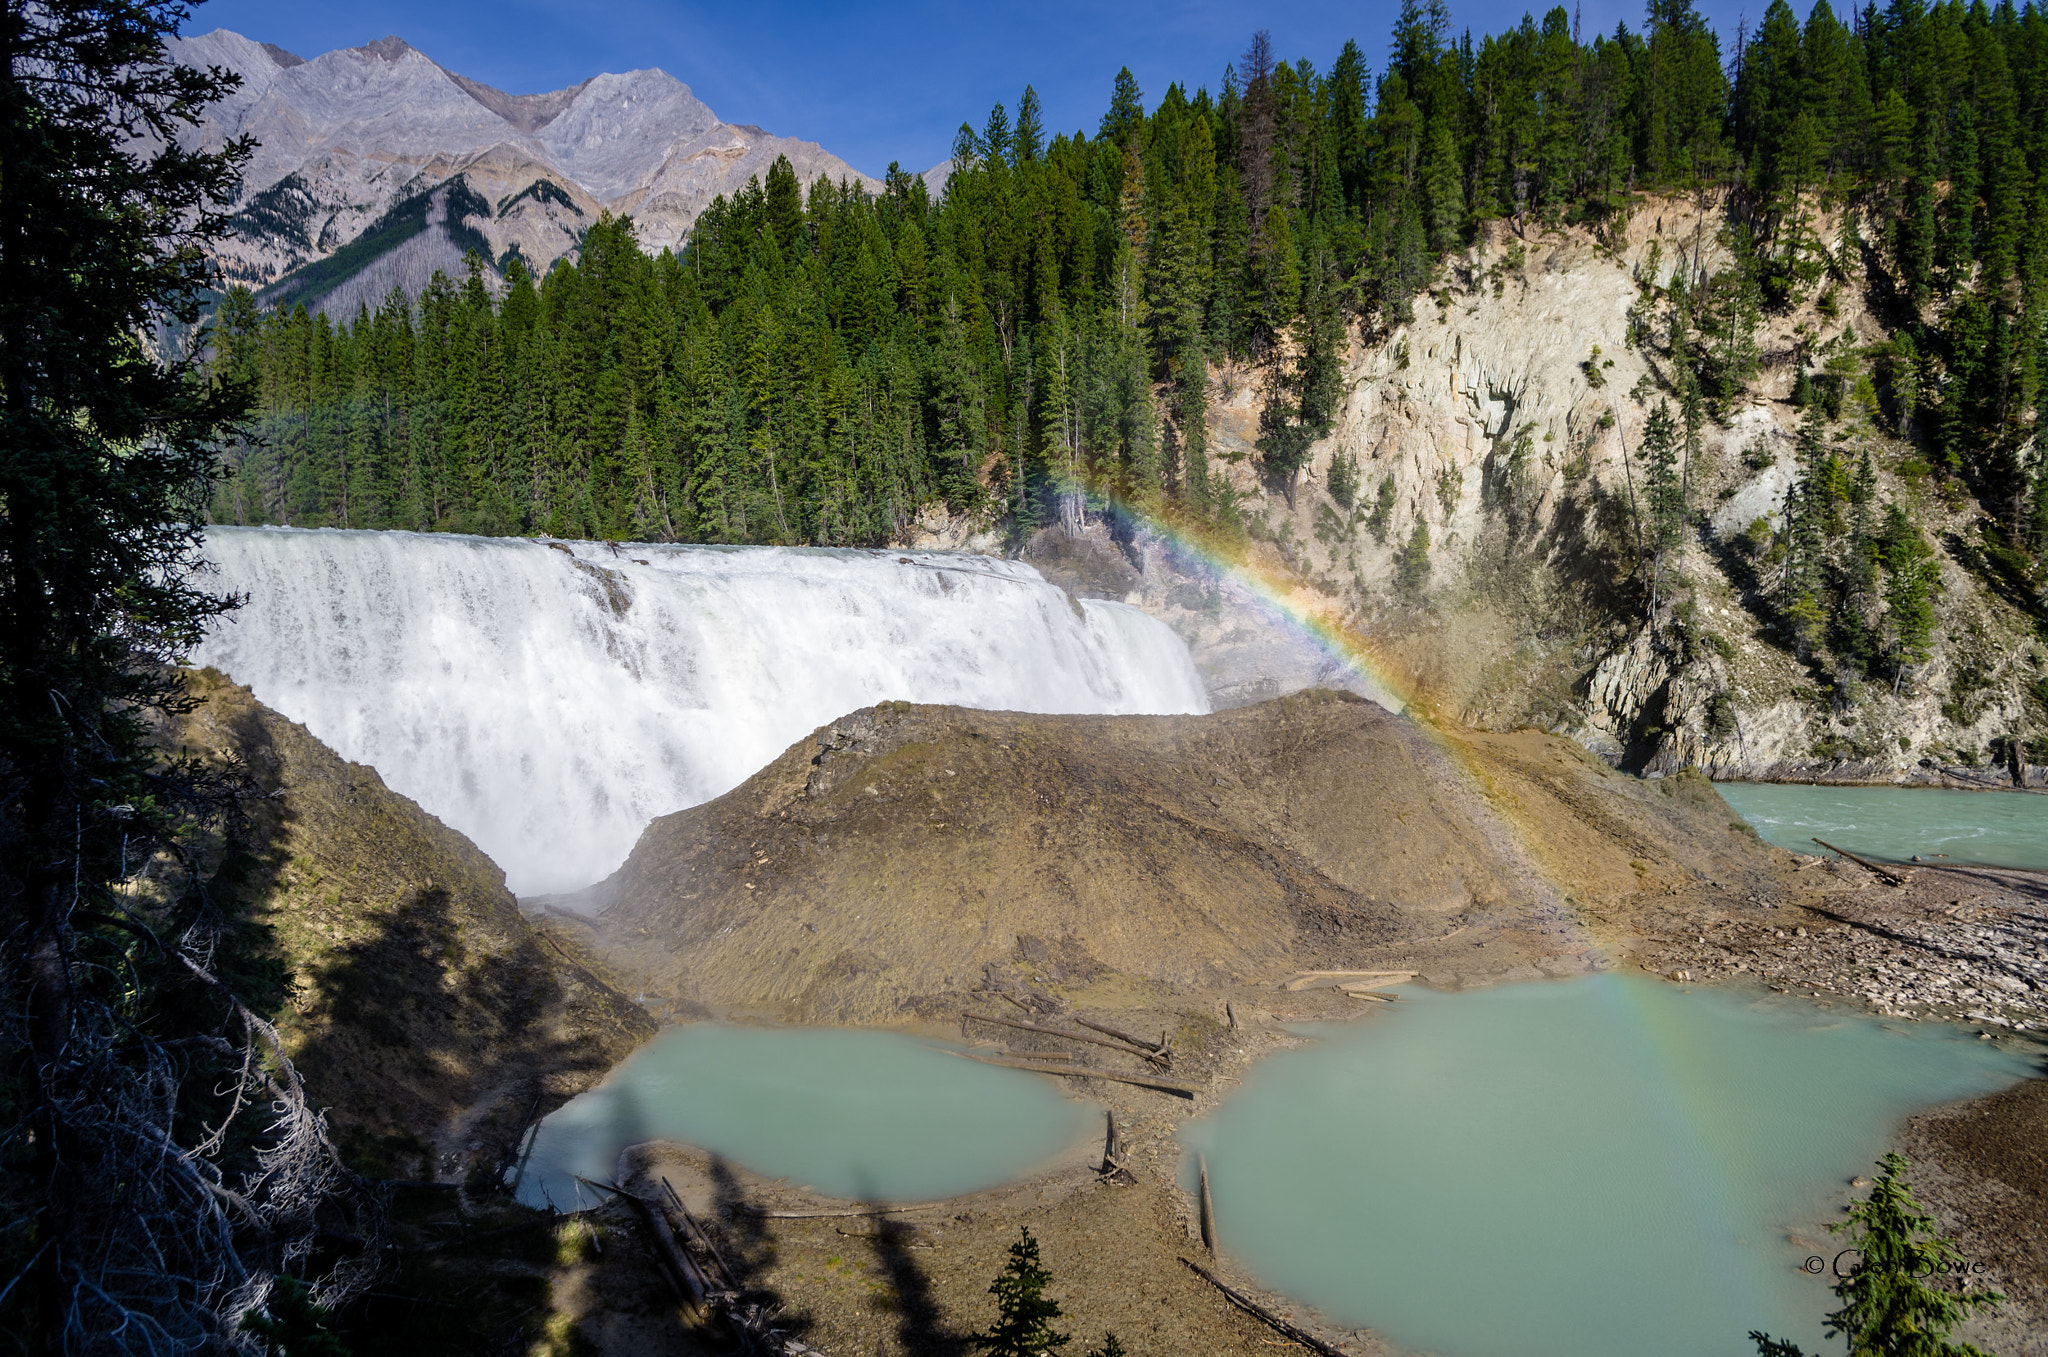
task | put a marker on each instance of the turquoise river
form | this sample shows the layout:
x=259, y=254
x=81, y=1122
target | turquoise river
x=1986, y=829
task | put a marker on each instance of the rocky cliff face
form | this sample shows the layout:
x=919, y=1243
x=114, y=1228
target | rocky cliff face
x=353, y=144
x=1506, y=420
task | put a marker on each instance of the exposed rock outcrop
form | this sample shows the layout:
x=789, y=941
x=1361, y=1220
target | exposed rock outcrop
x=1505, y=420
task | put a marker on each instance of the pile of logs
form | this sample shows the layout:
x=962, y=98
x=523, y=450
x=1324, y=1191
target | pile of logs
x=691, y=1260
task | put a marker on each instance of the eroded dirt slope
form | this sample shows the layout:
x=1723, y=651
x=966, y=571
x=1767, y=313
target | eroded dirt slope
x=888, y=861
x=425, y=1013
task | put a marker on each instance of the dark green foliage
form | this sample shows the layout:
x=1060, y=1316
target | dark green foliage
x=1111, y=1347
x=1914, y=577
x=1411, y=563
x=1664, y=491
x=818, y=363
x=1343, y=480
x=1024, y=1313
x=1892, y=1306
x=120, y=1072
x=1382, y=508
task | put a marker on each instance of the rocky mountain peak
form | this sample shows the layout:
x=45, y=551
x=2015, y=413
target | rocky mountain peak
x=390, y=48
x=360, y=139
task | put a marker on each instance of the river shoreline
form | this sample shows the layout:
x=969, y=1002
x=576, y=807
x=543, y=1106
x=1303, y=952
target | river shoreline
x=1954, y=777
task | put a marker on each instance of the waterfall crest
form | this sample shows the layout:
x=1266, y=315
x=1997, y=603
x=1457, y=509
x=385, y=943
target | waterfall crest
x=549, y=699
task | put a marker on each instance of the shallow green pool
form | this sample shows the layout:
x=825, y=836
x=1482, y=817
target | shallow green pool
x=1989, y=829
x=869, y=1115
x=1606, y=1167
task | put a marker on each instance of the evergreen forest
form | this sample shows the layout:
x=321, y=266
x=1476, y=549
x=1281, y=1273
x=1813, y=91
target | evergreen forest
x=1035, y=337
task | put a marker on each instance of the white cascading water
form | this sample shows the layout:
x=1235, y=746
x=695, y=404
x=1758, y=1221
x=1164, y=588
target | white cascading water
x=549, y=702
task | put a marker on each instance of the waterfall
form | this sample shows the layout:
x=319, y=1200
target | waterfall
x=549, y=699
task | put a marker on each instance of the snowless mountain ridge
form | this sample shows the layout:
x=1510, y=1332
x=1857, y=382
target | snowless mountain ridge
x=376, y=165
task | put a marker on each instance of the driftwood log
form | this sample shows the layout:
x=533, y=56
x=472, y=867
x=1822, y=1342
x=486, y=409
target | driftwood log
x=1121, y=1045
x=712, y=1290
x=1261, y=1313
x=1888, y=877
x=1112, y=1149
x=835, y=1215
x=1310, y=979
x=1157, y=1048
x=1180, y=1086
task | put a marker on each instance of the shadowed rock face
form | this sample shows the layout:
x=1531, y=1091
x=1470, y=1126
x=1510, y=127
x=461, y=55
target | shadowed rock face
x=424, y=1012
x=891, y=859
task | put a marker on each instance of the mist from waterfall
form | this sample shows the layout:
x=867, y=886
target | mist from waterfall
x=549, y=699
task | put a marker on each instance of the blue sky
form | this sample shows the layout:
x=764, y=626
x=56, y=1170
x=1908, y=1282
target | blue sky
x=872, y=82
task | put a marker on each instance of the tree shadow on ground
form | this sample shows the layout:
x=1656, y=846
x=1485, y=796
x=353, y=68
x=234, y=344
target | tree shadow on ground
x=428, y=1019
x=747, y=1248
x=918, y=1326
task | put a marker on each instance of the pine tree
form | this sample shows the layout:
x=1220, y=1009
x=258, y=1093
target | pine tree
x=1126, y=109
x=1664, y=491
x=1806, y=508
x=1909, y=593
x=1024, y=1313
x=123, y=1069
x=1411, y=563
x=1889, y=1308
x=868, y=342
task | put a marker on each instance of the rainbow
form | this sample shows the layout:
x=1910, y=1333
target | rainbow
x=1302, y=612
x=1383, y=679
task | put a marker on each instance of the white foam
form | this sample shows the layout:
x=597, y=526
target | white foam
x=549, y=703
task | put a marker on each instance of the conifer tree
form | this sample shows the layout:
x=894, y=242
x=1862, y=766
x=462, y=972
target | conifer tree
x=1909, y=592
x=126, y=1056
x=1024, y=1313
x=1664, y=491
x=814, y=362
x=1411, y=563
x=1889, y=1307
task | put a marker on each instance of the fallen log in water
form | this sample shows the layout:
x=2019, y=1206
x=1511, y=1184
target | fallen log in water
x=1889, y=877
x=1060, y=1032
x=1089, y=1072
x=1261, y=1313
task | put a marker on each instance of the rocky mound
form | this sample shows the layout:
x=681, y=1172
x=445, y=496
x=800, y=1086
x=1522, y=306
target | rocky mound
x=429, y=1017
x=899, y=854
